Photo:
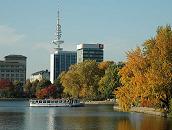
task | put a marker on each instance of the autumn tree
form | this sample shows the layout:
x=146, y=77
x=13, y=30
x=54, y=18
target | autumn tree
x=47, y=92
x=132, y=79
x=71, y=82
x=29, y=88
x=147, y=77
x=42, y=84
x=81, y=80
x=6, y=89
x=104, y=65
x=159, y=55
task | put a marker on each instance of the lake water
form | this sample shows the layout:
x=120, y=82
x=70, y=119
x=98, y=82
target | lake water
x=17, y=115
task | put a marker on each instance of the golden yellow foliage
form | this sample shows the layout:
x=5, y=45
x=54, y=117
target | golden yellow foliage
x=147, y=75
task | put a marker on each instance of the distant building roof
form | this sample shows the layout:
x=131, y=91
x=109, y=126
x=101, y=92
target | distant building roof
x=15, y=56
x=40, y=72
x=65, y=52
x=96, y=46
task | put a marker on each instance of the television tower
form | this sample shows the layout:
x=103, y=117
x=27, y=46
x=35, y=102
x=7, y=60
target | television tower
x=57, y=41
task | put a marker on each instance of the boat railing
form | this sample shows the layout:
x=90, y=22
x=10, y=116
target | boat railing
x=68, y=101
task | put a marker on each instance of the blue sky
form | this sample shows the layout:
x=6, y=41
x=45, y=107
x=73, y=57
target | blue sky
x=27, y=27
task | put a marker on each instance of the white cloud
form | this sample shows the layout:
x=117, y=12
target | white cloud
x=9, y=36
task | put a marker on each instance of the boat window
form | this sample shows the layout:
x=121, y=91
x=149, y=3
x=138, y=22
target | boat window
x=60, y=101
x=36, y=101
x=56, y=101
x=52, y=101
x=64, y=101
x=44, y=101
x=40, y=101
x=48, y=101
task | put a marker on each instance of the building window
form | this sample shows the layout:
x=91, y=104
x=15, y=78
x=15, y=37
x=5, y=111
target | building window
x=17, y=70
x=21, y=75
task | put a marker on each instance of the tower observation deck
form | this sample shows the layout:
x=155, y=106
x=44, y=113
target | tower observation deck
x=57, y=41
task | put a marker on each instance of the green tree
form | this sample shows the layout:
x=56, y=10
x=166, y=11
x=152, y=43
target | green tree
x=30, y=88
x=110, y=81
x=18, y=89
x=59, y=86
x=27, y=88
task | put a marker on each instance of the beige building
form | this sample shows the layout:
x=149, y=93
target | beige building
x=44, y=74
x=13, y=68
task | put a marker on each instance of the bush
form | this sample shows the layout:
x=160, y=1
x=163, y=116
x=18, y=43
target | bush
x=170, y=110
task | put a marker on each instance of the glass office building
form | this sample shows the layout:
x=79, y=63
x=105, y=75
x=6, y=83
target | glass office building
x=90, y=52
x=61, y=61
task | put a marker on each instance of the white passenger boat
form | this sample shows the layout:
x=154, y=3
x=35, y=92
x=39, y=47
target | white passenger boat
x=55, y=103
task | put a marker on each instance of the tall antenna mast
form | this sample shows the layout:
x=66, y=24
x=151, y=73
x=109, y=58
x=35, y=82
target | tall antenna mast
x=57, y=41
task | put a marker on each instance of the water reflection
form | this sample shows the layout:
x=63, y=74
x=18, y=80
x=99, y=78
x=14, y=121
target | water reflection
x=51, y=121
x=155, y=123
x=125, y=124
x=140, y=121
x=11, y=120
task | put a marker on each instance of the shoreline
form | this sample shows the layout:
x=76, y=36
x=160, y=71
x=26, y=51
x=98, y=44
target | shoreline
x=86, y=102
x=146, y=110
x=99, y=102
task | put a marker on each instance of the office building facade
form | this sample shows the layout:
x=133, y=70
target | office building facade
x=90, y=52
x=61, y=61
x=13, y=68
